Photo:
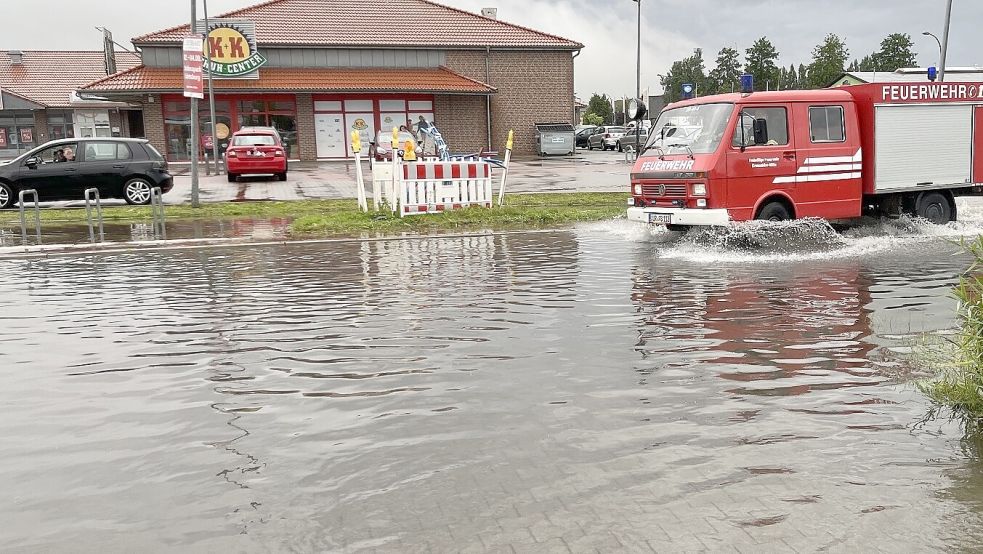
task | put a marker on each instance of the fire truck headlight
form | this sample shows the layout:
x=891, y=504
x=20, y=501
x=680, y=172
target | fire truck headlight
x=701, y=203
x=699, y=189
x=636, y=190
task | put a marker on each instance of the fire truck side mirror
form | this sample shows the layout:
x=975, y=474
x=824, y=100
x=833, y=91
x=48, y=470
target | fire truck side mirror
x=760, y=131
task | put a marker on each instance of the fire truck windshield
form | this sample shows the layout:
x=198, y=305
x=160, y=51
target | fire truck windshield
x=695, y=129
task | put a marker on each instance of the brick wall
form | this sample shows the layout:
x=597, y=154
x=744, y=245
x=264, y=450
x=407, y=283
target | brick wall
x=153, y=124
x=40, y=127
x=306, y=134
x=533, y=87
x=461, y=121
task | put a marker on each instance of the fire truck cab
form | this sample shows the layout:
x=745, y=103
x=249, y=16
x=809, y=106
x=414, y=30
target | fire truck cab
x=837, y=154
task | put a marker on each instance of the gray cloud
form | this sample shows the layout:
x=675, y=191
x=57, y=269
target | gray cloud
x=671, y=28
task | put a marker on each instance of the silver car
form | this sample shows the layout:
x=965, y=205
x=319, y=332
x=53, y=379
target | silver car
x=605, y=138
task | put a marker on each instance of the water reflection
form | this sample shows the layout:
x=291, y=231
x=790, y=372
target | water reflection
x=528, y=391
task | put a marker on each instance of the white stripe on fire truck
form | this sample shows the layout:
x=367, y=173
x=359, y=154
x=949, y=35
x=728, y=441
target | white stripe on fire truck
x=829, y=168
x=858, y=157
x=816, y=178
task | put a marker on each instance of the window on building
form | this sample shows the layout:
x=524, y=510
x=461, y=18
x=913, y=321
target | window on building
x=279, y=114
x=826, y=124
x=90, y=124
x=60, y=125
x=16, y=132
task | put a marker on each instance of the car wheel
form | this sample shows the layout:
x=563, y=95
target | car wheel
x=282, y=176
x=619, y=147
x=590, y=145
x=232, y=177
x=7, y=197
x=137, y=191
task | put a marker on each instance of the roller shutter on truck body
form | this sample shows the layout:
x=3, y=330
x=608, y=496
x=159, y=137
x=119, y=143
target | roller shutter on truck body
x=923, y=145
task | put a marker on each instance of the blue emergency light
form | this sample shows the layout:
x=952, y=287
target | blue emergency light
x=747, y=84
x=688, y=89
x=933, y=73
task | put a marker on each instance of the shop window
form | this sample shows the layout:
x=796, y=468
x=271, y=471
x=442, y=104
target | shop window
x=92, y=124
x=60, y=125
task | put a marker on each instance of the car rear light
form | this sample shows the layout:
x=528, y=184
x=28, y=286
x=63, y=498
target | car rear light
x=278, y=153
x=231, y=154
x=607, y=135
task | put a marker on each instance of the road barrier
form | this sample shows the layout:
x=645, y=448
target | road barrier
x=92, y=197
x=23, y=219
x=435, y=187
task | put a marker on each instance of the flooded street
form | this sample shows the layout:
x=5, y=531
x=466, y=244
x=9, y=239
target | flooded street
x=607, y=387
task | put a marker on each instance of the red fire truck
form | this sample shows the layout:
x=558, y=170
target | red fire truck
x=878, y=149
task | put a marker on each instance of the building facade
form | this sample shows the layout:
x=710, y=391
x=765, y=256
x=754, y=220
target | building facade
x=318, y=70
x=38, y=100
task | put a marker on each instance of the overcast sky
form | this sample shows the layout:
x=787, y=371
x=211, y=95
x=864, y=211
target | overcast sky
x=671, y=28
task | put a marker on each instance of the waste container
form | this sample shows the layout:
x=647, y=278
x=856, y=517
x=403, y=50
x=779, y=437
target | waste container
x=555, y=138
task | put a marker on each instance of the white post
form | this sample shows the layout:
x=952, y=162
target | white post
x=505, y=170
x=363, y=204
x=394, y=199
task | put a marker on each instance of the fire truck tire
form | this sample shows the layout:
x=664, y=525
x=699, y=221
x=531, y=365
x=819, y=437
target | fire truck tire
x=774, y=211
x=936, y=207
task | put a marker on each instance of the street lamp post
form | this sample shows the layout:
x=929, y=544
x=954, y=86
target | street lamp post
x=194, y=122
x=928, y=34
x=945, y=39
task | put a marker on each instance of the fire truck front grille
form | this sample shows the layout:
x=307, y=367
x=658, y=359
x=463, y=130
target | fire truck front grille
x=667, y=191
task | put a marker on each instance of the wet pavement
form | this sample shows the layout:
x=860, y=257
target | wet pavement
x=588, y=171
x=605, y=388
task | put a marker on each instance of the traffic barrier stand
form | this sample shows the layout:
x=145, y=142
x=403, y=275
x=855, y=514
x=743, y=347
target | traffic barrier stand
x=363, y=205
x=505, y=167
x=382, y=177
x=436, y=187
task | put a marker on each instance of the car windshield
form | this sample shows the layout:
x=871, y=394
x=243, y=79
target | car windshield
x=387, y=138
x=253, y=140
x=616, y=129
x=697, y=129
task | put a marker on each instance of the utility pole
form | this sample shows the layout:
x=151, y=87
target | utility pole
x=945, y=39
x=211, y=91
x=194, y=123
x=638, y=76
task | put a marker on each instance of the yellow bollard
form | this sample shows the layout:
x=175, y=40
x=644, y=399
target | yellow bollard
x=409, y=151
x=508, y=143
x=356, y=142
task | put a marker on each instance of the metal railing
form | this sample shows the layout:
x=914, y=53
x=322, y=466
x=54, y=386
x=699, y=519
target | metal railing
x=23, y=218
x=92, y=197
x=157, y=210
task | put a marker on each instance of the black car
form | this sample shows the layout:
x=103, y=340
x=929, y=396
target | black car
x=583, y=136
x=64, y=169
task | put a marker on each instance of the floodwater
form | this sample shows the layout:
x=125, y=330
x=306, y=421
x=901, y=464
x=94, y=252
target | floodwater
x=607, y=387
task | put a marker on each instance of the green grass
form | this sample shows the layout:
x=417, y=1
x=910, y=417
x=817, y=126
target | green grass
x=341, y=217
x=958, y=385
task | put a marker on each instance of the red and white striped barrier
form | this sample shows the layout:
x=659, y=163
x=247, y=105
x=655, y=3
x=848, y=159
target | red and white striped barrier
x=435, y=187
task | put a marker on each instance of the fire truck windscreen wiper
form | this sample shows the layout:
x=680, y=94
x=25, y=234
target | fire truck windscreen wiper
x=686, y=146
x=646, y=148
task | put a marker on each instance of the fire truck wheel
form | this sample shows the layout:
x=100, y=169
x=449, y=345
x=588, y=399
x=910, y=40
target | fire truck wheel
x=774, y=211
x=935, y=207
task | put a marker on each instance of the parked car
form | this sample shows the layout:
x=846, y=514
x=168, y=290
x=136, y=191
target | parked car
x=256, y=151
x=583, y=136
x=63, y=169
x=628, y=140
x=606, y=138
x=381, y=149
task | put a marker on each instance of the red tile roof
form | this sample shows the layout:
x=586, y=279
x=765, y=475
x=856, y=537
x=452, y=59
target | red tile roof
x=393, y=23
x=50, y=77
x=162, y=79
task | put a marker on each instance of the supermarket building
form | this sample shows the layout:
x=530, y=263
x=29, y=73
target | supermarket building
x=327, y=67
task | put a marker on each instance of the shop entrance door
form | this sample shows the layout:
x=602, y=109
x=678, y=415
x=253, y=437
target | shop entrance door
x=330, y=131
x=364, y=123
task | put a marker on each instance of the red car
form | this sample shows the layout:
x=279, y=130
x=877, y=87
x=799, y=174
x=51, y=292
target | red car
x=256, y=151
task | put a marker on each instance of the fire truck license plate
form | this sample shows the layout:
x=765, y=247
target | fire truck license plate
x=660, y=218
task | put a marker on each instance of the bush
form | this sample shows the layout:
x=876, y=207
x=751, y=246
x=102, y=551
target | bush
x=959, y=386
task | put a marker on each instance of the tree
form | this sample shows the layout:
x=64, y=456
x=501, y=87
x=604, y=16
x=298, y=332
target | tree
x=600, y=105
x=868, y=63
x=687, y=70
x=791, y=79
x=803, y=77
x=895, y=53
x=593, y=119
x=726, y=77
x=760, y=58
x=828, y=61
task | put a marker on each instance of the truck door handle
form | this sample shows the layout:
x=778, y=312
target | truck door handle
x=790, y=155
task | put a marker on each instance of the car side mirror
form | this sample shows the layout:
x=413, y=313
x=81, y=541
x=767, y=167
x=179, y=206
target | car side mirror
x=33, y=163
x=760, y=131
